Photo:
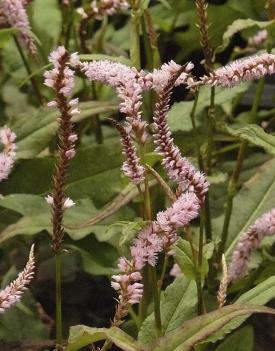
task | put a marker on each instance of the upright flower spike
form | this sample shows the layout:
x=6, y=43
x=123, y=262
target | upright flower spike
x=129, y=84
x=7, y=156
x=61, y=80
x=221, y=297
x=14, y=13
x=204, y=32
x=14, y=291
x=179, y=169
x=249, y=241
x=131, y=166
x=247, y=69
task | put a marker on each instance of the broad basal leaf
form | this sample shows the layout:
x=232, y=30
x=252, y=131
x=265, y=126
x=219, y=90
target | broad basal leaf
x=241, y=340
x=260, y=295
x=200, y=328
x=81, y=335
x=34, y=132
x=90, y=175
x=37, y=217
x=179, y=115
x=178, y=304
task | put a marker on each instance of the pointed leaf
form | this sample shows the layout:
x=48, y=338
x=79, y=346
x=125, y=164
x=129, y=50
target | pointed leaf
x=177, y=305
x=241, y=340
x=260, y=295
x=255, y=135
x=81, y=335
x=198, y=329
x=36, y=131
x=238, y=26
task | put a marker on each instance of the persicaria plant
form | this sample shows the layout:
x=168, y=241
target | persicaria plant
x=137, y=170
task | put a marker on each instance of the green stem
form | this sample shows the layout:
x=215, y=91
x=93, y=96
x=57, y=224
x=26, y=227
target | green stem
x=134, y=316
x=58, y=301
x=164, y=267
x=232, y=184
x=201, y=309
x=146, y=295
x=210, y=139
x=207, y=218
x=96, y=124
x=134, y=36
x=147, y=46
x=156, y=296
x=147, y=203
x=195, y=133
x=208, y=166
x=29, y=71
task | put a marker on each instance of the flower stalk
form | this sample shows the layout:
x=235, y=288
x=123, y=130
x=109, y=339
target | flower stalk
x=61, y=80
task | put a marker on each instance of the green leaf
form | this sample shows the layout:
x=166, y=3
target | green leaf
x=36, y=217
x=238, y=26
x=47, y=22
x=5, y=35
x=179, y=115
x=21, y=322
x=81, y=335
x=97, y=258
x=185, y=259
x=36, y=131
x=258, y=196
x=259, y=295
x=197, y=330
x=92, y=181
x=178, y=304
x=253, y=134
x=241, y=340
x=25, y=204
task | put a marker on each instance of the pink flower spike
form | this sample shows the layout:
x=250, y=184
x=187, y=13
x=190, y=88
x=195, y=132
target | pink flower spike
x=15, y=15
x=14, y=291
x=249, y=241
x=179, y=169
x=246, y=69
x=7, y=156
x=131, y=166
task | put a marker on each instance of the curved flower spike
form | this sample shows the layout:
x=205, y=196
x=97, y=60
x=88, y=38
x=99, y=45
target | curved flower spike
x=249, y=241
x=7, y=156
x=247, y=69
x=14, y=291
x=131, y=166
